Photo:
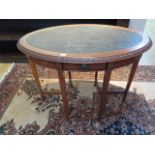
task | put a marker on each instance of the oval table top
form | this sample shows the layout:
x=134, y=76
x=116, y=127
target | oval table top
x=84, y=43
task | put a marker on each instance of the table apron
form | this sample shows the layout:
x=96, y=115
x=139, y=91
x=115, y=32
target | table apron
x=82, y=67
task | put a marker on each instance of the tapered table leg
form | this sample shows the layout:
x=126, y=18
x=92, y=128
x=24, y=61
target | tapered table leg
x=35, y=75
x=96, y=74
x=70, y=78
x=63, y=92
x=131, y=76
x=104, y=92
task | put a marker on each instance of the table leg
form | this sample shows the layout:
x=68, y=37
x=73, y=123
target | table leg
x=104, y=92
x=35, y=75
x=70, y=78
x=96, y=74
x=131, y=76
x=63, y=92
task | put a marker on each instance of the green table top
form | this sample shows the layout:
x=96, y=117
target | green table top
x=84, y=43
x=83, y=39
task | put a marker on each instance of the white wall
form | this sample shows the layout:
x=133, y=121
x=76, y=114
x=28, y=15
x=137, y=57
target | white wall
x=137, y=24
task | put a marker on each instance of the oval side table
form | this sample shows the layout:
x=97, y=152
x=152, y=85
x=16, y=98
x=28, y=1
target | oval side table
x=84, y=47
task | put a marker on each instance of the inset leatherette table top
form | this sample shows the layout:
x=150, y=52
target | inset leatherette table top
x=84, y=43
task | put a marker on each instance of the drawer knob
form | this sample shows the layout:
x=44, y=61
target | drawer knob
x=84, y=67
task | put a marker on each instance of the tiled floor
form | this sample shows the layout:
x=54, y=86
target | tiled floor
x=4, y=69
x=149, y=57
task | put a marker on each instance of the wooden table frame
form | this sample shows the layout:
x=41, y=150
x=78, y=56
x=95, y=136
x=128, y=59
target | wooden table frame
x=105, y=61
x=107, y=67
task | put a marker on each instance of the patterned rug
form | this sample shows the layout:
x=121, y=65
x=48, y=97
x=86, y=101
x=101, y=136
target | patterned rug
x=22, y=111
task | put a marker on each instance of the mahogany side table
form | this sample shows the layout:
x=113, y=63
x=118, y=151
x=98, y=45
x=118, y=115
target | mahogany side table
x=84, y=47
